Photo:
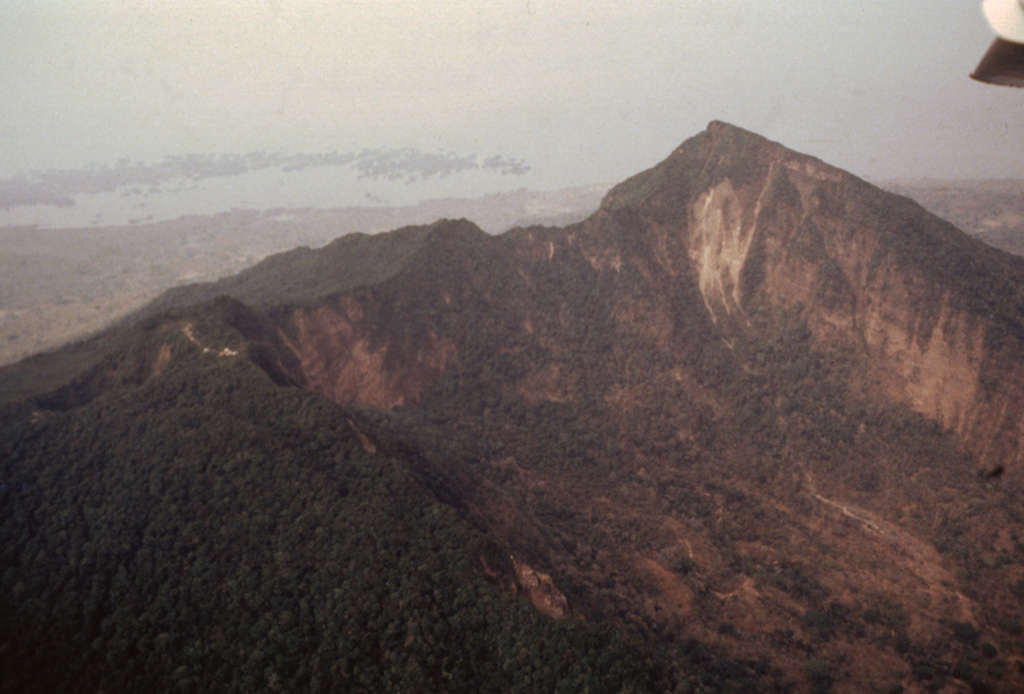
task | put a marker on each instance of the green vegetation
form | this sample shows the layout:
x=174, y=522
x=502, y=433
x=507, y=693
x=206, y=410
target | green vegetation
x=728, y=502
x=209, y=531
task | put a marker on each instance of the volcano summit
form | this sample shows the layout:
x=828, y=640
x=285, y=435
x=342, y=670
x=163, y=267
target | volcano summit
x=733, y=432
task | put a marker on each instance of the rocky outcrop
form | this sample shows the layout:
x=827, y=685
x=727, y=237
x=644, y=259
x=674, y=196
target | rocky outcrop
x=874, y=274
x=540, y=590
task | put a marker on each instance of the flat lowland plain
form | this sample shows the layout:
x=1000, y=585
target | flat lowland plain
x=58, y=285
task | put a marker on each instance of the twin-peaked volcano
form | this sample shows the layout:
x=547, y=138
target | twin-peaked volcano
x=739, y=410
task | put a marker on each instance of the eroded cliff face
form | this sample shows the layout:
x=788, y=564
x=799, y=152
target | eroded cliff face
x=719, y=244
x=342, y=356
x=766, y=229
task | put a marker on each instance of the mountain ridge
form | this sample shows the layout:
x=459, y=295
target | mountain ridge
x=740, y=409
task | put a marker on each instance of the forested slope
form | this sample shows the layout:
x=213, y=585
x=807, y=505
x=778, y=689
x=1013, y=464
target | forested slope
x=207, y=530
x=755, y=425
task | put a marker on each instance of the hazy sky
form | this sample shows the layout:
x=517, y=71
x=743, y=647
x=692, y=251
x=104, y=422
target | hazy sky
x=582, y=90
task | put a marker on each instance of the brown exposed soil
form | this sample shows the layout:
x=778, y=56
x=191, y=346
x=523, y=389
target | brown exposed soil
x=339, y=358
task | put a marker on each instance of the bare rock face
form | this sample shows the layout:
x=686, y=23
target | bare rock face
x=872, y=273
x=540, y=590
x=339, y=357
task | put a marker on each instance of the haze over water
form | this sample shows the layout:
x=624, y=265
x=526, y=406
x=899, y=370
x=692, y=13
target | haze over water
x=575, y=92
